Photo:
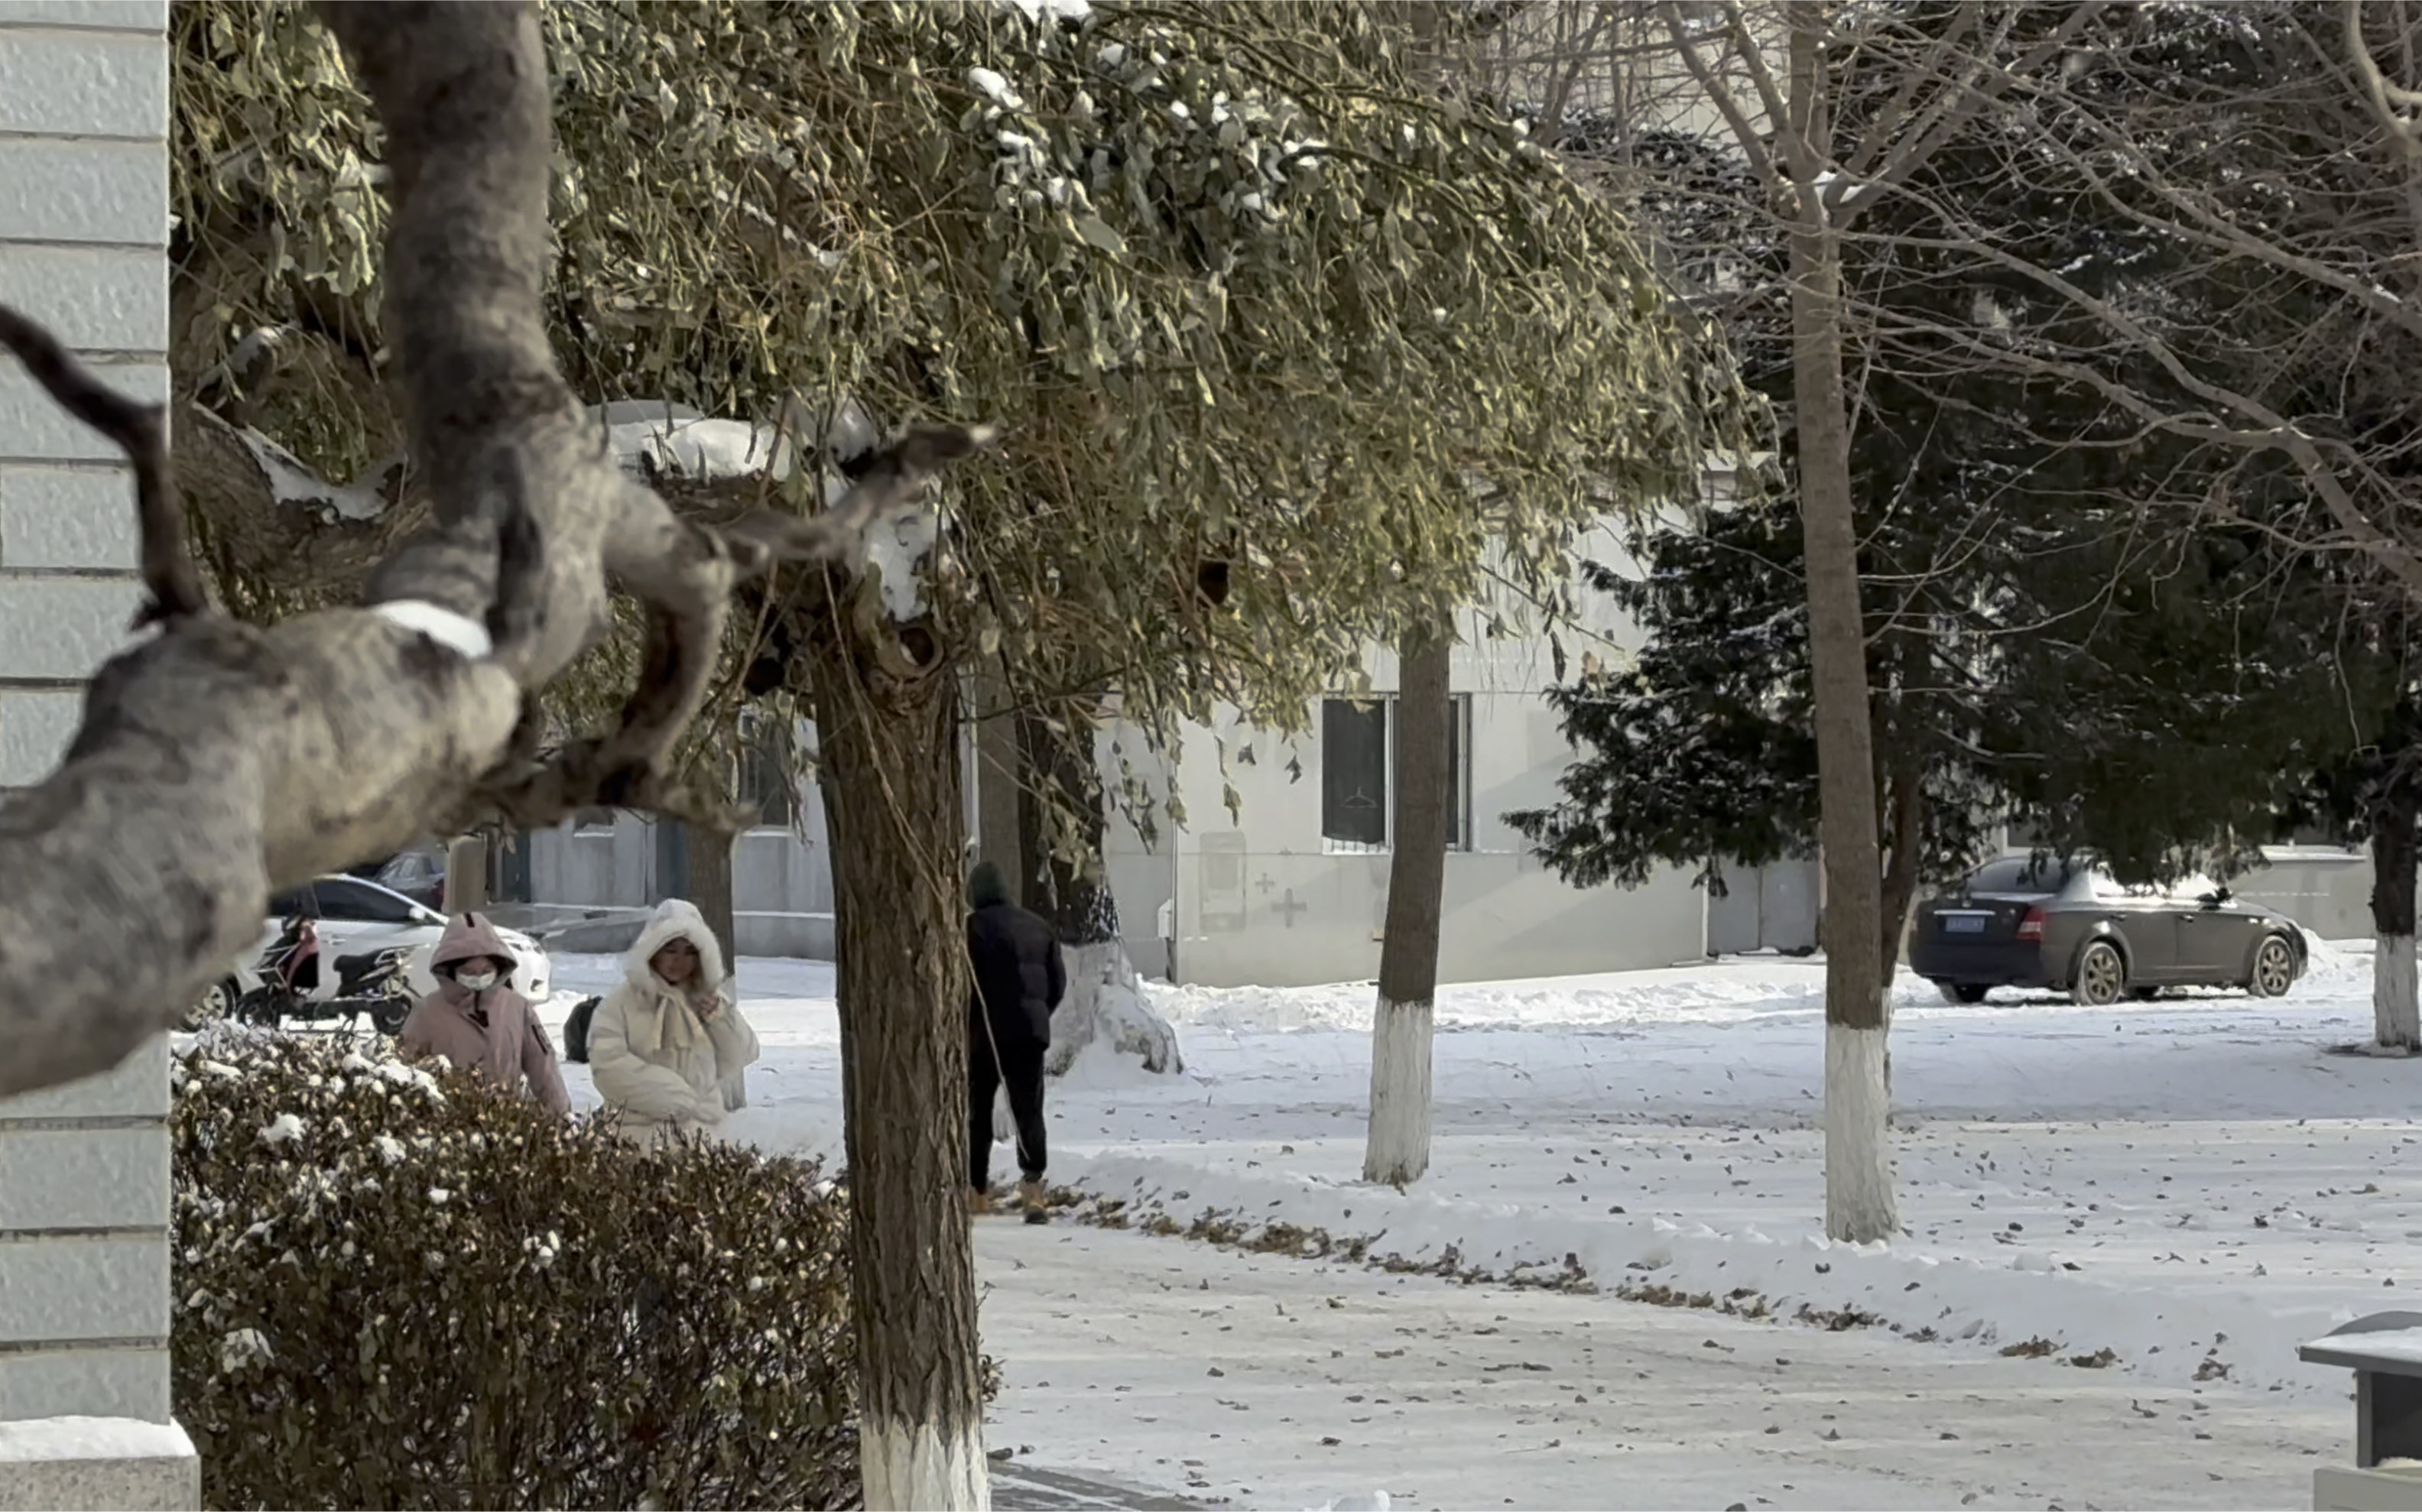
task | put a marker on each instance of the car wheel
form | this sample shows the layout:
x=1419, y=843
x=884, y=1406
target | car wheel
x=215, y=1006
x=1962, y=992
x=2101, y=977
x=2274, y=969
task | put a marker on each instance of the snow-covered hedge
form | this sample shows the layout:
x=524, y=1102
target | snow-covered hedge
x=403, y=1290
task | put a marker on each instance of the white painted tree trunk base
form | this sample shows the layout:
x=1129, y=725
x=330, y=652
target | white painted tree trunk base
x=1104, y=1004
x=2396, y=1005
x=1399, y=1147
x=908, y=1467
x=1859, y=1198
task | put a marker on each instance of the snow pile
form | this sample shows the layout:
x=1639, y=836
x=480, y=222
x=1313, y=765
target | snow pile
x=2026, y=1301
x=1716, y=992
x=1105, y=1006
x=2335, y=967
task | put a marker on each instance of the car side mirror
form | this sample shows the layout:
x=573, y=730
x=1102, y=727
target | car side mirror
x=2213, y=900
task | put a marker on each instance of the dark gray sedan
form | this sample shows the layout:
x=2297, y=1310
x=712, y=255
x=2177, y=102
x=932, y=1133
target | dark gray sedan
x=2021, y=922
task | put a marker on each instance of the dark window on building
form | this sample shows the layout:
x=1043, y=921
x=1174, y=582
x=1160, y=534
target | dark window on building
x=1458, y=772
x=1358, y=772
x=1354, y=761
x=763, y=780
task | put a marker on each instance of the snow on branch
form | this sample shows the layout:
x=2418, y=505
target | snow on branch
x=219, y=761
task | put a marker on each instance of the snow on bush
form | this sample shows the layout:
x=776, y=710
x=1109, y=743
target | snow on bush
x=403, y=1290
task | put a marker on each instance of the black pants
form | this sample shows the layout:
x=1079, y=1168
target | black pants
x=1019, y=1064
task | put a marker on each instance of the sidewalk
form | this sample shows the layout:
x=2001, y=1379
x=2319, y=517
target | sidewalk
x=1282, y=1383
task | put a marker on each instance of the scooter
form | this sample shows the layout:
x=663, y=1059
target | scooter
x=295, y=985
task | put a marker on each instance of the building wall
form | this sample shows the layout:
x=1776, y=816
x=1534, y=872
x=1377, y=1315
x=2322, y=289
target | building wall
x=84, y=231
x=83, y=213
x=781, y=881
x=2326, y=888
x=1261, y=897
x=597, y=879
x=1766, y=908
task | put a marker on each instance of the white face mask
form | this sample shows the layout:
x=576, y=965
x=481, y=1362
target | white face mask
x=477, y=981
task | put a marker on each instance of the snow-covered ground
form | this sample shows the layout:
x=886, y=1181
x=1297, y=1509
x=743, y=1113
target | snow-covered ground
x=2195, y=1184
x=1283, y=1385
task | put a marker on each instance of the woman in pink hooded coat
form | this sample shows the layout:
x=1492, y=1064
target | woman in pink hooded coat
x=474, y=1019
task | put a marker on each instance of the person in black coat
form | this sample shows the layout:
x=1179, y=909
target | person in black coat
x=1020, y=981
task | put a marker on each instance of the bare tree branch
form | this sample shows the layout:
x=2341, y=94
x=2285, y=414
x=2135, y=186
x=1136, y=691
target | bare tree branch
x=2386, y=99
x=1721, y=94
x=219, y=761
x=140, y=430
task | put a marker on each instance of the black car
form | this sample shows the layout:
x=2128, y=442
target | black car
x=418, y=874
x=2029, y=921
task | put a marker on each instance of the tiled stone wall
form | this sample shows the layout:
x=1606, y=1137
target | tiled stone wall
x=84, y=1169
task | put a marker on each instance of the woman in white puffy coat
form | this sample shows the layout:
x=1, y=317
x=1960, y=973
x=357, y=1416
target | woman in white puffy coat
x=665, y=1042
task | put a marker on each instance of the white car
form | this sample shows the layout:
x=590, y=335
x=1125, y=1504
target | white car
x=357, y=916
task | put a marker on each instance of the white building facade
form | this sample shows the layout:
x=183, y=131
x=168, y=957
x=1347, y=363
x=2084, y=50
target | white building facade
x=1291, y=890
x=85, y=1417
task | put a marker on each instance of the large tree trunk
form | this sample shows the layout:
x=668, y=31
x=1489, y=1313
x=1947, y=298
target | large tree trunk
x=709, y=854
x=890, y=777
x=1069, y=886
x=1859, y=1201
x=2396, y=1016
x=1905, y=795
x=1398, y=1149
x=1001, y=768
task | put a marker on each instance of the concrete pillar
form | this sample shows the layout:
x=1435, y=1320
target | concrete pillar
x=84, y=1169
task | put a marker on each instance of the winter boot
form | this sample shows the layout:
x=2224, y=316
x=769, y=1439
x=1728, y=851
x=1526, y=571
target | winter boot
x=979, y=1201
x=1029, y=1197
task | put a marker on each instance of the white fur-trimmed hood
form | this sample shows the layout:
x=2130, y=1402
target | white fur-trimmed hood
x=674, y=919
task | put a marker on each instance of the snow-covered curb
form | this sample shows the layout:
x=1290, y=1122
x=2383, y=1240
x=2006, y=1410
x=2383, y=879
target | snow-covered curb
x=2016, y=1301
